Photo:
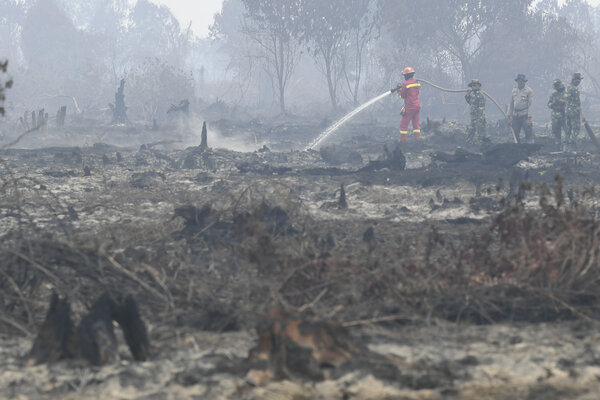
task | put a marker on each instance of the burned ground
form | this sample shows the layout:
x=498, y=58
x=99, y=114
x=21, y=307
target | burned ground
x=460, y=273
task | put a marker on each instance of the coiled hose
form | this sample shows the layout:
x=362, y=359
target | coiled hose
x=486, y=94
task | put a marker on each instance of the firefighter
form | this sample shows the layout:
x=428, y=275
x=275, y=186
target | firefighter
x=412, y=107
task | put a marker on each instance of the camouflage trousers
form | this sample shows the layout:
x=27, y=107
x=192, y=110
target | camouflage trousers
x=573, y=125
x=477, y=126
x=559, y=124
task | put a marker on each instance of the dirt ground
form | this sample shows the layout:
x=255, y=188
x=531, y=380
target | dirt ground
x=209, y=240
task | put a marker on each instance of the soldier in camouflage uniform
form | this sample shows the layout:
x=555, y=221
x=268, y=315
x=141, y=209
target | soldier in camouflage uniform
x=573, y=109
x=477, y=101
x=557, y=103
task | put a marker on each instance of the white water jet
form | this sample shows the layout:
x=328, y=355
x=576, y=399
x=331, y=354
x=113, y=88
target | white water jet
x=339, y=123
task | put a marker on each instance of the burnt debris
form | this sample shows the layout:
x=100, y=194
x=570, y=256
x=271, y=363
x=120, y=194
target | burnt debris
x=194, y=217
x=503, y=155
x=337, y=155
x=394, y=161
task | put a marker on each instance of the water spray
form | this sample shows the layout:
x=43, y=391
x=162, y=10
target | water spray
x=340, y=122
x=360, y=108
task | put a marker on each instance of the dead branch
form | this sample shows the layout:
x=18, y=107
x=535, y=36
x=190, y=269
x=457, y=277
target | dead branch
x=15, y=324
x=132, y=276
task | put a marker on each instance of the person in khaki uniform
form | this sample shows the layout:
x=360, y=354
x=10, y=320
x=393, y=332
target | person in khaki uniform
x=519, y=113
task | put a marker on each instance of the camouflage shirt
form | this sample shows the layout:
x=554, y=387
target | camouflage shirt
x=573, y=100
x=557, y=103
x=477, y=101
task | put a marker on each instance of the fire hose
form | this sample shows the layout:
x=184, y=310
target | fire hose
x=486, y=94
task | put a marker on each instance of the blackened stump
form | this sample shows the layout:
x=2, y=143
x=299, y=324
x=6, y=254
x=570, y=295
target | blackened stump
x=56, y=337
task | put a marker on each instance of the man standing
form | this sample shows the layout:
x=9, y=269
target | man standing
x=412, y=106
x=519, y=115
x=557, y=103
x=476, y=100
x=573, y=109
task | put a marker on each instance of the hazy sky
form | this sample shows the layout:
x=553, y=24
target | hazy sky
x=200, y=12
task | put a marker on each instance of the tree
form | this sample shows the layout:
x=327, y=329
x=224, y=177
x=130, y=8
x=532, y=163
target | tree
x=4, y=84
x=154, y=87
x=457, y=27
x=11, y=19
x=537, y=43
x=273, y=25
x=326, y=27
x=155, y=32
x=585, y=20
x=241, y=66
x=50, y=41
x=363, y=25
x=108, y=23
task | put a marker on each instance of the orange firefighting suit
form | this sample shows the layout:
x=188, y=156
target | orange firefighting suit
x=410, y=94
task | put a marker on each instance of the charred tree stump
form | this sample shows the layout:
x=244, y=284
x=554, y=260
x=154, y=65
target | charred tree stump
x=134, y=330
x=44, y=120
x=61, y=114
x=342, y=202
x=204, y=137
x=56, y=337
x=25, y=120
x=94, y=338
x=95, y=334
x=119, y=109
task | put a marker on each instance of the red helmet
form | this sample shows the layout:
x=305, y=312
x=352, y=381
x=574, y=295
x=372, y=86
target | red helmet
x=408, y=70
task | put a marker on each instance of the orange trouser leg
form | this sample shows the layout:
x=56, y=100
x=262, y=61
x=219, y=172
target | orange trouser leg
x=416, y=124
x=411, y=115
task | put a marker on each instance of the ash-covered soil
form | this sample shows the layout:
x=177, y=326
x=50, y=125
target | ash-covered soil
x=412, y=262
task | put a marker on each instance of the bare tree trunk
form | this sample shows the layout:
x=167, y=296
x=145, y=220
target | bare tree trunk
x=281, y=78
x=282, y=100
x=330, y=83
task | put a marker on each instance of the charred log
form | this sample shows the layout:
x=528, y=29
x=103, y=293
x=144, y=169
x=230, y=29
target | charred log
x=394, y=161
